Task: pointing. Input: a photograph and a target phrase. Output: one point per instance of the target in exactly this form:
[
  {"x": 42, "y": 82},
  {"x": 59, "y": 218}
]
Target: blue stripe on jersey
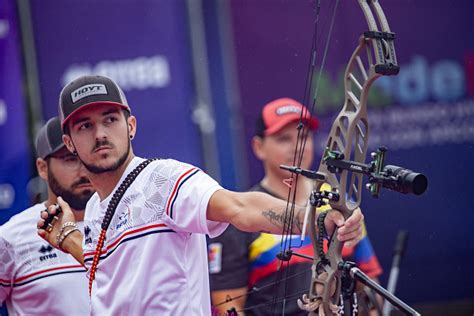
[{"x": 179, "y": 187}]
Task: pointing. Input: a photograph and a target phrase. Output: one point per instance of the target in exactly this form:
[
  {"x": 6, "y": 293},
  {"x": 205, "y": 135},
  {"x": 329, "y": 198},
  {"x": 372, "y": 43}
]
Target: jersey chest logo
[{"x": 46, "y": 252}]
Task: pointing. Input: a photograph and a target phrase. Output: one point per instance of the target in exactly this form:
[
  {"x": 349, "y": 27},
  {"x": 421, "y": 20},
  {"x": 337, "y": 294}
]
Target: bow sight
[{"x": 391, "y": 177}]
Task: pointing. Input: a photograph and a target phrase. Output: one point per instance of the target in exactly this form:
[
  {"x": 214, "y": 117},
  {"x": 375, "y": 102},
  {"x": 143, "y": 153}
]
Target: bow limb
[{"x": 348, "y": 139}]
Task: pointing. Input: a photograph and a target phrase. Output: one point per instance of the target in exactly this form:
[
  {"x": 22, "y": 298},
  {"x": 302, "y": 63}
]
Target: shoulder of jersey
[{"x": 22, "y": 222}]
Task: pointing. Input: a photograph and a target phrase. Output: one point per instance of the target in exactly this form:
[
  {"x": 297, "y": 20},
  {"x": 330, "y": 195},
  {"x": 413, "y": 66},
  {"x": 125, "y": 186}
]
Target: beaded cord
[
  {"x": 95, "y": 261},
  {"x": 114, "y": 201}
]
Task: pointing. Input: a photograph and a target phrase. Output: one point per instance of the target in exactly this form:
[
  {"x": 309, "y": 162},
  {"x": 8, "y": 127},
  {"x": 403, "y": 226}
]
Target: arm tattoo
[
  {"x": 280, "y": 218},
  {"x": 274, "y": 218}
]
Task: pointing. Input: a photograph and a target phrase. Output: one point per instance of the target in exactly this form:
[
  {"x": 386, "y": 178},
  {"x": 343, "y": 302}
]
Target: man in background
[
  {"x": 35, "y": 278},
  {"x": 244, "y": 265}
]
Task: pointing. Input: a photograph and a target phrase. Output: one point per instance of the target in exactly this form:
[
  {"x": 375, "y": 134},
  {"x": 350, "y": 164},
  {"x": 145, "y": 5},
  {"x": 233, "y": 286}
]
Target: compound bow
[
  {"x": 343, "y": 163},
  {"x": 348, "y": 139}
]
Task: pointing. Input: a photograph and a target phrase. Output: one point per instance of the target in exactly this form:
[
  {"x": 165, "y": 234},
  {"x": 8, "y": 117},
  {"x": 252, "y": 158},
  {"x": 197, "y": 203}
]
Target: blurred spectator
[
  {"x": 242, "y": 261},
  {"x": 34, "y": 276}
]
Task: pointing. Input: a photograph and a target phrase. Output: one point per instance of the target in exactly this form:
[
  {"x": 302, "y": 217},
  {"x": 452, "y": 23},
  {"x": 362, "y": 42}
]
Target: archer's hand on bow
[{"x": 350, "y": 229}]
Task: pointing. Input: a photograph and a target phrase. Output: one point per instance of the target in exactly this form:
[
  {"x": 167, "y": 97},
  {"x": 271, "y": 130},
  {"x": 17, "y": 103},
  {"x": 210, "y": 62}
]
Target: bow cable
[{"x": 303, "y": 133}]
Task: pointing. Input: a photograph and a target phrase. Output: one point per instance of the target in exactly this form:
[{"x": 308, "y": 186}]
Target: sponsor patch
[
  {"x": 215, "y": 257},
  {"x": 46, "y": 252},
  {"x": 122, "y": 220},
  {"x": 88, "y": 90},
  {"x": 45, "y": 249},
  {"x": 288, "y": 109}
]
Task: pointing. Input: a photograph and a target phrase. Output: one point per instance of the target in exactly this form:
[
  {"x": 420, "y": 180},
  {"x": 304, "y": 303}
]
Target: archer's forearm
[
  {"x": 270, "y": 215},
  {"x": 255, "y": 212},
  {"x": 278, "y": 219}
]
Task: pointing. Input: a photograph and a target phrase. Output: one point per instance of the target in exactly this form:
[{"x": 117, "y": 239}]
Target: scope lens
[
  {"x": 419, "y": 184},
  {"x": 406, "y": 181}
]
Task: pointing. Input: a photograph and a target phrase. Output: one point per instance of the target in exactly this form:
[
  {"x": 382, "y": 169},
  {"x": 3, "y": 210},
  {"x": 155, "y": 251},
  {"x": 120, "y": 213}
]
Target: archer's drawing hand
[
  {"x": 349, "y": 230},
  {"x": 65, "y": 216}
]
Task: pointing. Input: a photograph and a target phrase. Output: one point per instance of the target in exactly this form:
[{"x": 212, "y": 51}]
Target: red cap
[{"x": 280, "y": 112}]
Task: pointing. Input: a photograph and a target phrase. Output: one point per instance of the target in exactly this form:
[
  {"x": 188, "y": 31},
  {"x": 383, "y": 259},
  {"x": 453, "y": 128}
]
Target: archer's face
[
  {"x": 100, "y": 135},
  {"x": 279, "y": 149}
]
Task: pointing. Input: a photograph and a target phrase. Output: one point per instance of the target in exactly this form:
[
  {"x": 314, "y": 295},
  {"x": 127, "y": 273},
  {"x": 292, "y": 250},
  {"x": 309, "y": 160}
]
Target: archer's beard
[
  {"x": 98, "y": 170},
  {"x": 75, "y": 201}
]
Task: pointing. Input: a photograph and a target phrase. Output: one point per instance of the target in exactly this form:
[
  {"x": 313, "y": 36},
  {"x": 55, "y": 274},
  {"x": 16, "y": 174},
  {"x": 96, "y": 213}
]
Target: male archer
[{"x": 145, "y": 250}]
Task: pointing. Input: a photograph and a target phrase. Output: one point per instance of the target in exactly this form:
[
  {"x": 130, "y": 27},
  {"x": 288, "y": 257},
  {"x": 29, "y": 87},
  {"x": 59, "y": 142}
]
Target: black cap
[
  {"x": 50, "y": 138},
  {"x": 86, "y": 91}
]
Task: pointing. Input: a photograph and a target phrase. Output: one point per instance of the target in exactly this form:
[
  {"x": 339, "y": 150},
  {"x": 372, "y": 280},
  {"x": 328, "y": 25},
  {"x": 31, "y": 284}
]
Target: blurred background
[{"x": 196, "y": 73}]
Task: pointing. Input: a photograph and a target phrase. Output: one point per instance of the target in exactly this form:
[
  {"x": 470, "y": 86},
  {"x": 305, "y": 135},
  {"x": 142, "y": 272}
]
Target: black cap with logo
[{"x": 87, "y": 91}]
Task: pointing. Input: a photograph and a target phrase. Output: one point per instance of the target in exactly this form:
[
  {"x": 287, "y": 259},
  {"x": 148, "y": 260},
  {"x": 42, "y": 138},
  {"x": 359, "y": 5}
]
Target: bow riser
[{"x": 349, "y": 136}]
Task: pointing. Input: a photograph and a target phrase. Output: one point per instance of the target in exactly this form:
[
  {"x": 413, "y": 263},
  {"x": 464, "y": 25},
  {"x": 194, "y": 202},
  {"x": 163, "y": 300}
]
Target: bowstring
[
  {"x": 285, "y": 242},
  {"x": 316, "y": 92},
  {"x": 271, "y": 303},
  {"x": 303, "y": 134},
  {"x": 257, "y": 289}
]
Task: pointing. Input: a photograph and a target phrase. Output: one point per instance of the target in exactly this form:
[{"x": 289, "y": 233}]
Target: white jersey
[
  {"x": 35, "y": 278},
  {"x": 154, "y": 261}
]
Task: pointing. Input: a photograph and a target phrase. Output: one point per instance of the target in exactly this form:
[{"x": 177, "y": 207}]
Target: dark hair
[
  {"x": 126, "y": 113},
  {"x": 260, "y": 127},
  {"x": 47, "y": 159}
]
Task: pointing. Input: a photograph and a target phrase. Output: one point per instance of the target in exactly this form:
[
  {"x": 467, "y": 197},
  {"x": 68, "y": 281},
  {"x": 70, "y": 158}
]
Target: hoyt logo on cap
[{"x": 88, "y": 90}]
